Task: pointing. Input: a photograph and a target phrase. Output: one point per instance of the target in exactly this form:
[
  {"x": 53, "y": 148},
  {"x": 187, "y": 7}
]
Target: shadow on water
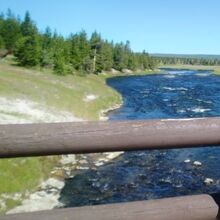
[{"x": 154, "y": 174}]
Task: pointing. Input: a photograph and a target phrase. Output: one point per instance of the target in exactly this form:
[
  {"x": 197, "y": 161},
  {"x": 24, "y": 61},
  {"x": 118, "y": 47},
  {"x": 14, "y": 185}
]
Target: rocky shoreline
[
  {"x": 47, "y": 195},
  {"x": 103, "y": 115}
]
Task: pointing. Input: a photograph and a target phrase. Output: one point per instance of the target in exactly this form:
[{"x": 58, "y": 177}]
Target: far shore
[{"x": 215, "y": 69}]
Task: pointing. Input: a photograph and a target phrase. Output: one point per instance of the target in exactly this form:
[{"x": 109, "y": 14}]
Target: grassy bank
[
  {"x": 28, "y": 95},
  {"x": 215, "y": 69},
  {"x": 67, "y": 93},
  {"x": 37, "y": 92}
]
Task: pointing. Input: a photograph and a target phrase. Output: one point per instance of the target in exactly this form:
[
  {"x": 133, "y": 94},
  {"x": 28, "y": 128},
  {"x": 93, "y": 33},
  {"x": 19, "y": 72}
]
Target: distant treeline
[
  {"x": 76, "y": 53},
  {"x": 186, "y": 60}
]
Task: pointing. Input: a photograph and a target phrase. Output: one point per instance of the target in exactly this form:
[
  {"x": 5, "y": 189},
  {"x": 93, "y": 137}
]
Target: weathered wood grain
[
  {"x": 200, "y": 207},
  {"x": 89, "y": 137}
]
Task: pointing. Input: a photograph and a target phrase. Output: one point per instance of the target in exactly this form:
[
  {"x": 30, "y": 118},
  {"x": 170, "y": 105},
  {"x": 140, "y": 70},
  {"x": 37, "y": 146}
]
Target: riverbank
[
  {"x": 215, "y": 69},
  {"x": 37, "y": 96},
  {"x": 33, "y": 96}
]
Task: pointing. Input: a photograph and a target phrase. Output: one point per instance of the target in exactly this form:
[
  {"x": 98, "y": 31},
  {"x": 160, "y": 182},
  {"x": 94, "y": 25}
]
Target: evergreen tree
[
  {"x": 27, "y": 26},
  {"x": 76, "y": 53},
  {"x": 2, "y": 44},
  {"x": 60, "y": 55},
  {"x": 132, "y": 62},
  {"x": 127, "y": 55},
  {"x": 27, "y": 51},
  {"x": 96, "y": 44},
  {"x": 59, "y": 64},
  {"x": 80, "y": 52},
  {"x": 106, "y": 56},
  {"x": 47, "y": 53},
  {"x": 87, "y": 65},
  {"x": 10, "y": 31},
  {"x": 118, "y": 57}
]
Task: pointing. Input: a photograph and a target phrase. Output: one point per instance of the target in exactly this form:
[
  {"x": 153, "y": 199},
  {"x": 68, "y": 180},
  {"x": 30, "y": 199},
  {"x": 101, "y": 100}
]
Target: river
[{"x": 155, "y": 174}]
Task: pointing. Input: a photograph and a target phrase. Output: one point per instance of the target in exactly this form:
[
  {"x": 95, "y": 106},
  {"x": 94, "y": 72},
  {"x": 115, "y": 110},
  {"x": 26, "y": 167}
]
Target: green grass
[
  {"x": 59, "y": 92},
  {"x": 21, "y": 175},
  {"x": 18, "y": 175},
  {"x": 217, "y": 71},
  {"x": 9, "y": 204},
  {"x": 62, "y": 93}
]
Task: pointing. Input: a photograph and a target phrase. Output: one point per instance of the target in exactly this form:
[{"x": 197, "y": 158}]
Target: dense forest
[
  {"x": 190, "y": 60},
  {"x": 76, "y": 53}
]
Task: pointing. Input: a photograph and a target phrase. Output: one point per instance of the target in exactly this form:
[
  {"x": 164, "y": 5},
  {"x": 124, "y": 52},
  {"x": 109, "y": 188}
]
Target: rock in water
[
  {"x": 197, "y": 163},
  {"x": 208, "y": 181}
]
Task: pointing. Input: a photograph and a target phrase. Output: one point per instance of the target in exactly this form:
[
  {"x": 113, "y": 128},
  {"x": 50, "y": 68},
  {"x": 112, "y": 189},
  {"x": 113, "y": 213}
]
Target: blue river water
[{"x": 155, "y": 174}]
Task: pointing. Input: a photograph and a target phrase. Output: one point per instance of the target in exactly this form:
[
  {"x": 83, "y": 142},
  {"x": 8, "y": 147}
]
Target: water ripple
[{"x": 155, "y": 174}]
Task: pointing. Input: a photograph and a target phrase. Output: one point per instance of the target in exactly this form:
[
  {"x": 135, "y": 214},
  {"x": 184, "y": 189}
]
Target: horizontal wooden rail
[
  {"x": 90, "y": 137},
  {"x": 201, "y": 207}
]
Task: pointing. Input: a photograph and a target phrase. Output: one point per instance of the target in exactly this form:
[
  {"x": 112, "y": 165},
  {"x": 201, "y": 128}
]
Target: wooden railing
[{"x": 97, "y": 137}]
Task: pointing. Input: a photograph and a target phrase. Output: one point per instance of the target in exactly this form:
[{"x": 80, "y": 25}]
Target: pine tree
[
  {"x": 59, "y": 64},
  {"x": 60, "y": 55},
  {"x": 47, "y": 53},
  {"x": 76, "y": 53},
  {"x": 132, "y": 62},
  {"x": 127, "y": 55},
  {"x": 27, "y": 26},
  {"x": 118, "y": 57},
  {"x": 10, "y": 31},
  {"x": 2, "y": 44},
  {"x": 95, "y": 43},
  {"x": 87, "y": 65},
  {"x": 104, "y": 60},
  {"x": 80, "y": 52},
  {"x": 27, "y": 51}
]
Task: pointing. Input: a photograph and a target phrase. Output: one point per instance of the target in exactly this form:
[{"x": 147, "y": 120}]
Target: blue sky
[{"x": 158, "y": 26}]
